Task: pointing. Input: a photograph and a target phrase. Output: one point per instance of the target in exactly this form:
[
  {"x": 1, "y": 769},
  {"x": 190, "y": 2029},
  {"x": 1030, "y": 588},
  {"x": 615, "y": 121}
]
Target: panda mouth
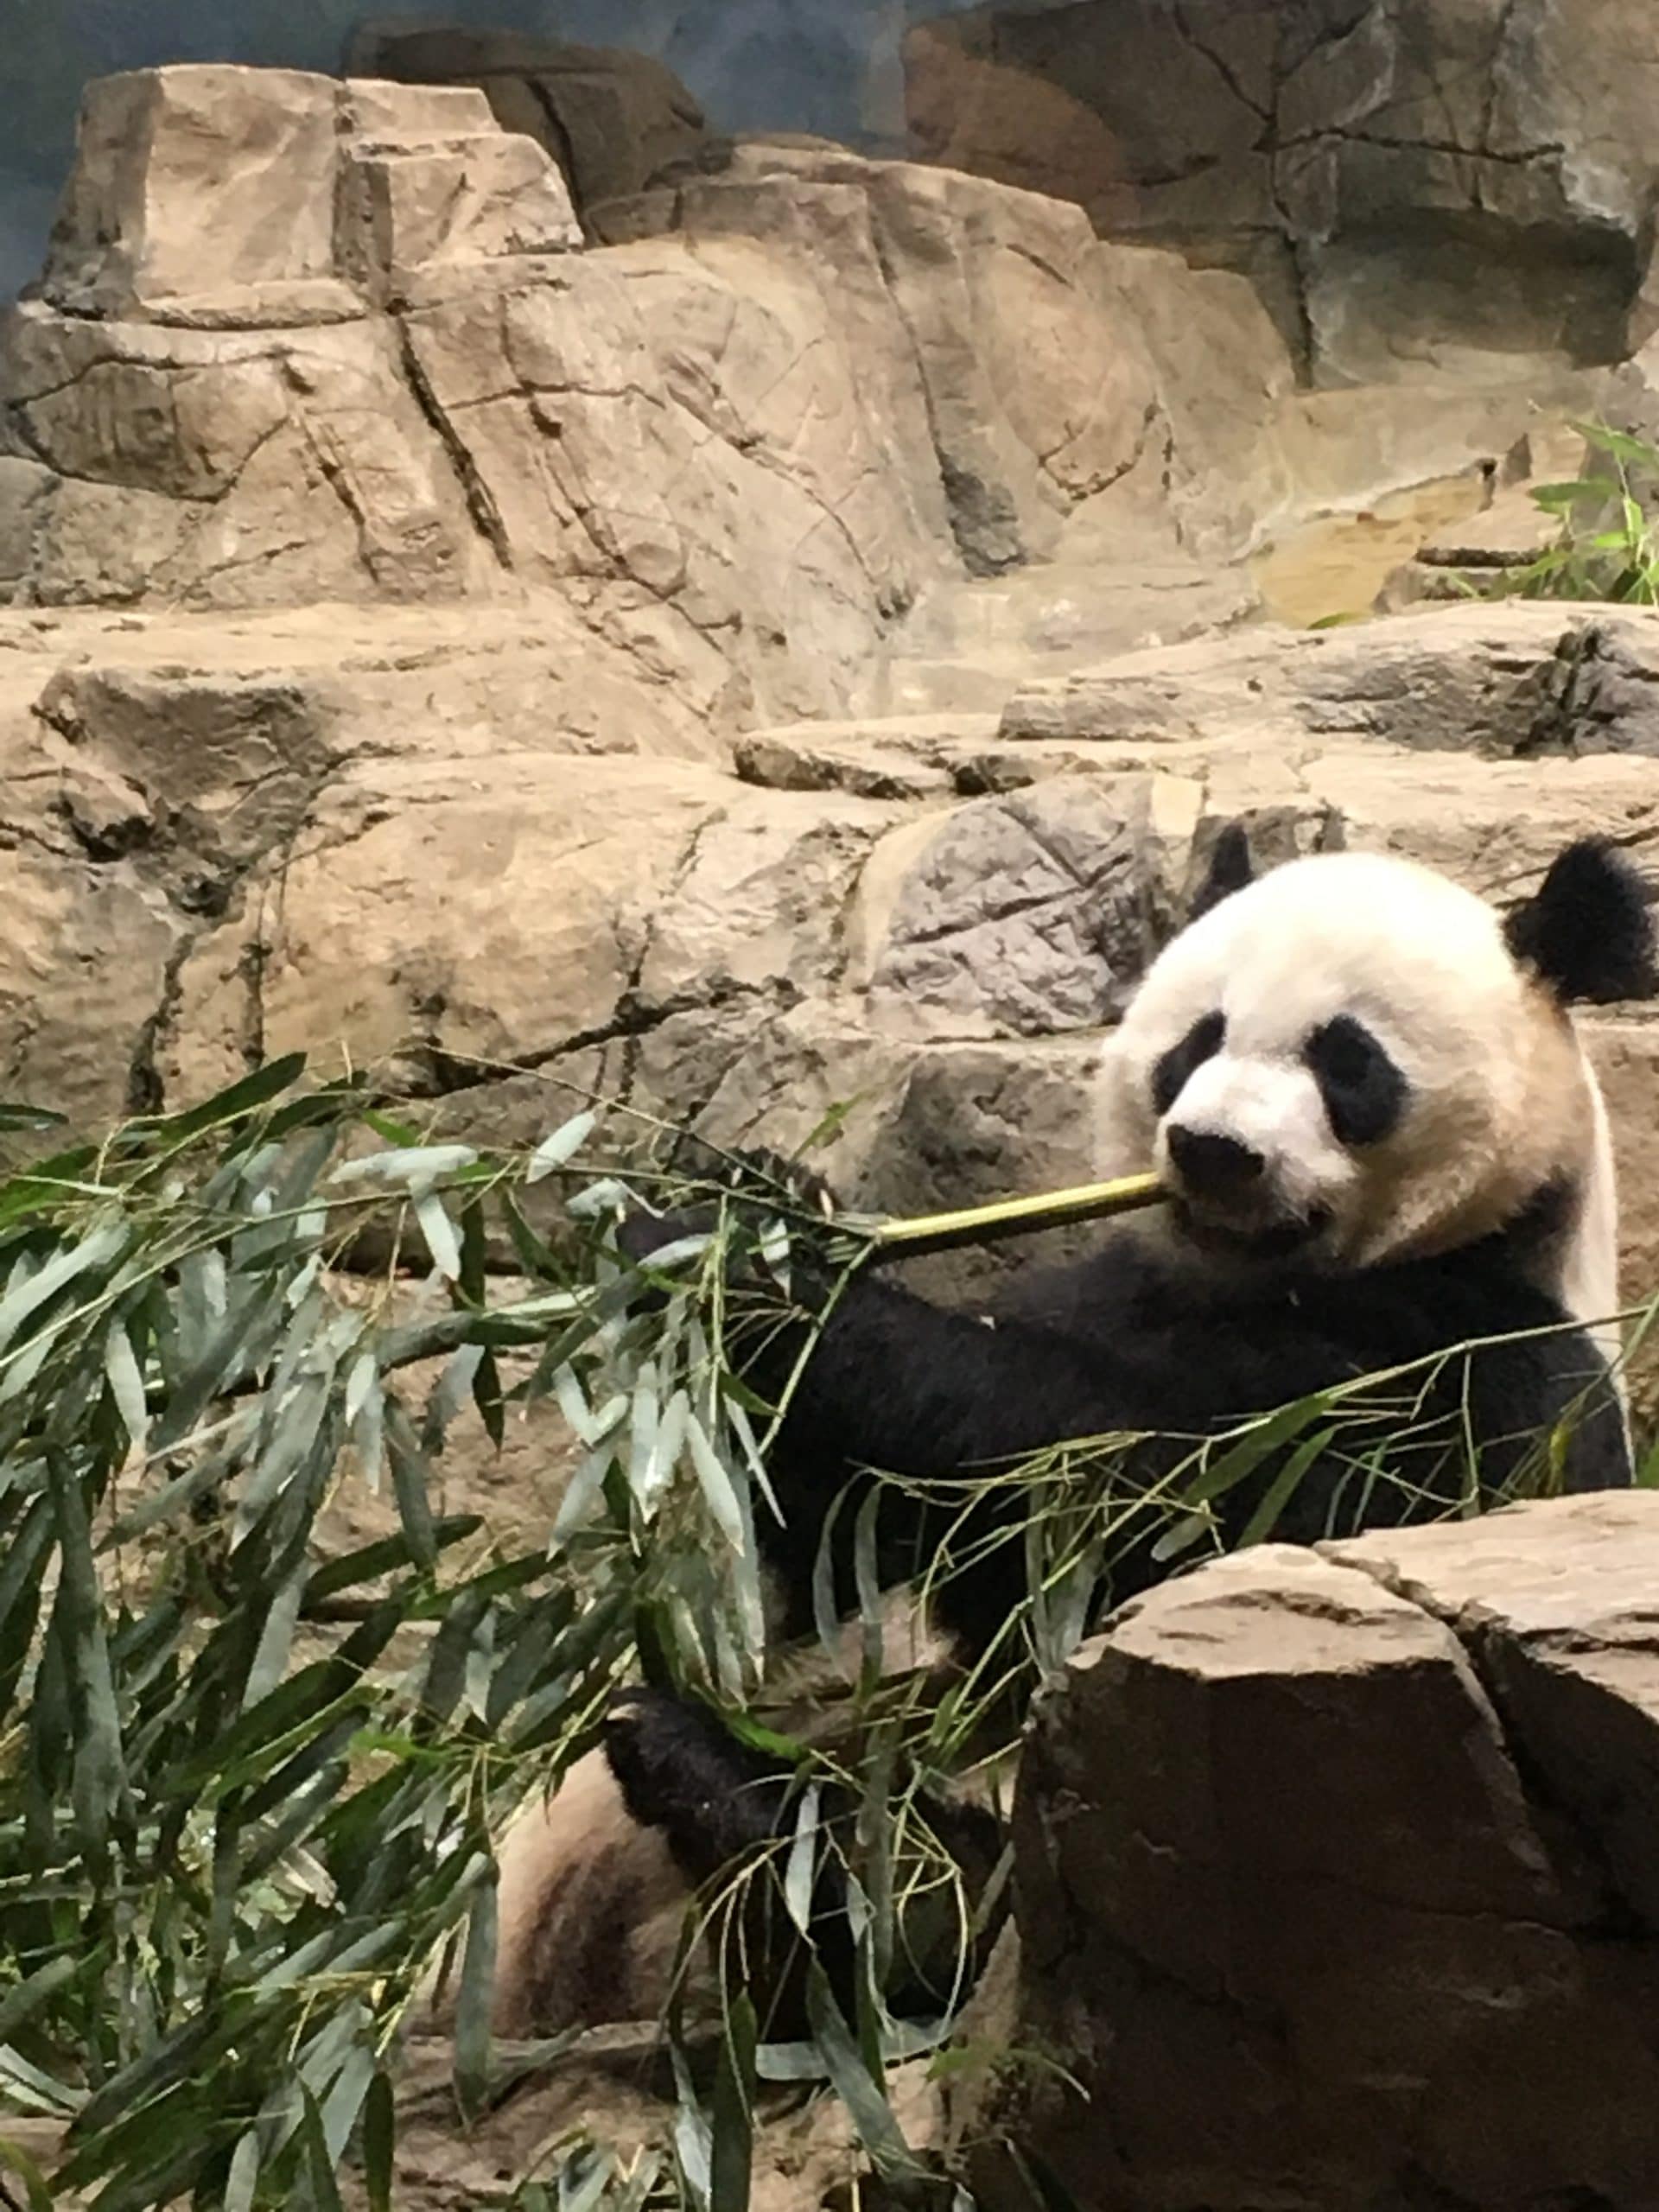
[{"x": 1279, "y": 1239}]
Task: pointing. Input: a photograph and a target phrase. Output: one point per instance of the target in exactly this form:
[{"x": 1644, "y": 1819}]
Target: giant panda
[{"x": 1385, "y": 1151}]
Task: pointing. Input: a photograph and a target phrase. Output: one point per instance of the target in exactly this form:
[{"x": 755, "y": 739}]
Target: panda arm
[
  {"x": 896, "y": 1384},
  {"x": 718, "y": 1802},
  {"x": 909, "y": 1389}
]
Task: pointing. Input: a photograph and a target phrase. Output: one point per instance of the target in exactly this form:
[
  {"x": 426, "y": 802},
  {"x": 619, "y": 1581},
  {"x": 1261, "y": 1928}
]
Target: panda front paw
[
  {"x": 642, "y": 1233},
  {"x": 639, "y": 1233},
  {"x": 682, "y": 1773}
]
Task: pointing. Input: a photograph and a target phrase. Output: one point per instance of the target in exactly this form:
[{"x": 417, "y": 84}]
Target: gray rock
[
  {"x": 1412, "y": 187},
  {"x": 1025, "y": 916},
  {"x": 613, "y": 118},
  {"x": 1334, "y": 1881}
]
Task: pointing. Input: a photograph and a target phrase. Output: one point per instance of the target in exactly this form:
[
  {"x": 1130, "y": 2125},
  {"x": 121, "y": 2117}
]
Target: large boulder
[
  {"x": 782, "y": 404},
  {"x": 613, "y": 118},
  {"x": 1036, "y": 390},
  {"x": 214, "y": 195},
  {"x": 1413, "y": 184},
  {"x": 1335, "y": 1881}
]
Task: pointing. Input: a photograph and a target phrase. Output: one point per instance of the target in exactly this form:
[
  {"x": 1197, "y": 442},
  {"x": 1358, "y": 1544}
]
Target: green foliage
[
  {"x": 251, "y": 1787},
  {"x": 1607, "y": 546},
  {"x": 248, "y": 1790}
]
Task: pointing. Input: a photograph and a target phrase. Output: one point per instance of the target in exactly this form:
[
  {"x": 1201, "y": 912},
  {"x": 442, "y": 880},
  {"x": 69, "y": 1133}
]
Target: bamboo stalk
[{"x": 944, "y": 1233}]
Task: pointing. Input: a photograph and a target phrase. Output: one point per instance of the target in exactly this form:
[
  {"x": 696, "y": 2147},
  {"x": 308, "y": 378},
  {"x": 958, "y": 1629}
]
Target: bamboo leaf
[
  {"x": 1620, "y": 443},
  {"x": 33, "y": 1990},
  {"x": 802, "y": 1868},
  {"x": 440, "y": 1234},
  {"x": 410, "y": 1480},
  {"x": 732, "y": 2133},
  {"x": 642, "y": 1435},
  {"x": 100, "y": 1773},
  {"x": 244, "y": 2176},
  {"x": 126, "y": 1385},
  {"x": 239, "y": 1099},
  {"x": 1283, "y": 1487},
  {"x": 15, "y": 1115},
  {"x": 103, "y": 1244},
  {"x": 1235, "y": 1464},
  {"x": 487, "y": 1397},
  {"x": 379, "y": 2141},
  {"x": 474, "y": 2002},
  {"x": 716, "y": 1483},
  {"x": 415, "y": 1168},
  {"x": 866, "y": 2101},
  {"x": 277, "y": 1637},
  {"x": 563, "y": 1144},
  {"x": 321, "y": 2189},
  {"x": 15, "y": 2160}
]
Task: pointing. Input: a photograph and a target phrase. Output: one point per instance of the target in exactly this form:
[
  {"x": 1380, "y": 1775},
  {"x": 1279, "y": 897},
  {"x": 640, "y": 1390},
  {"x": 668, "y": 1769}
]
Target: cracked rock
[
  {"x": 614, "y": 119},
  {"x": 1511, "y": 681},
  {"x": 1021, "y": 915},
  {"x": 1334, "y": 1881},
  {"x": 1412, "y": 185}
]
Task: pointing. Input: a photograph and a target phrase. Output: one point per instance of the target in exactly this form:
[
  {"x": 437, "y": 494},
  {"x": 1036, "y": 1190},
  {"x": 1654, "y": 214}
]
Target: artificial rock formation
[
  {"x": 751, "y": 433},
  {"x": 1361, "y": 158},
  {"x": 729, "y": 662},
  {"x": 1336, "y": 1881},
  {"x": 613, "y": 120}
]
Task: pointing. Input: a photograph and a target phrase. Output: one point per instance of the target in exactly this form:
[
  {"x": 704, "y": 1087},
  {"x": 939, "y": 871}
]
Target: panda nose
[{"x": 1212, "y": 1166}]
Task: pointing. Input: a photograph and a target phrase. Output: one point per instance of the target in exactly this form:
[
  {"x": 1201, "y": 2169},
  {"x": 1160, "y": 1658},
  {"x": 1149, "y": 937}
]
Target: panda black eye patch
[
  {"x": 1202, "y": 1042},
  {"x": 1363, "y": 1091}
]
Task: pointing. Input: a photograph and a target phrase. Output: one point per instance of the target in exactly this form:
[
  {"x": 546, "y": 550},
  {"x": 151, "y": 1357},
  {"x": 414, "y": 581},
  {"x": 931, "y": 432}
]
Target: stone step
[{"x": 969, "y": 646}]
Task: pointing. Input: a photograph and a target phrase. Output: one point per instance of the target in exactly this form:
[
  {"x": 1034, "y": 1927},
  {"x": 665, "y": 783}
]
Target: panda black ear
[
  {"x": 1230, "y": 868},
  {"x": 1587, "y": 931}
]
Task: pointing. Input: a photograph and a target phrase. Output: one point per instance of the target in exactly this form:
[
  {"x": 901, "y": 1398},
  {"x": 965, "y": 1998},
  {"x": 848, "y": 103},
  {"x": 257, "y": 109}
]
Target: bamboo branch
[{"x": 944, "y": 1233}]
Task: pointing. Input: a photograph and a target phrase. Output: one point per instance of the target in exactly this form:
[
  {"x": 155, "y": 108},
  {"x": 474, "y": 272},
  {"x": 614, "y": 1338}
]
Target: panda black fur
[{"x": 1383, "y": 1141}]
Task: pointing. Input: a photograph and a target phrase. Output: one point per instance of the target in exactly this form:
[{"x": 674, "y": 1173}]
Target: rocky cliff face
[
  {"x": 1407, "y": 181},
  {"x": 684, "y": 657}
]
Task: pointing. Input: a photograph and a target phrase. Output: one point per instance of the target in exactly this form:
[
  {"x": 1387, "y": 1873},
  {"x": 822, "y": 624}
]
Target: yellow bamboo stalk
[{"x": 943, "y": 1232}]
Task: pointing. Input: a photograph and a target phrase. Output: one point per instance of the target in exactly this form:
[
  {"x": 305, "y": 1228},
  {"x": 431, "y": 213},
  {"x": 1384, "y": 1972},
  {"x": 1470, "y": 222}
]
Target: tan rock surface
[
  {"x": 809, "y": 415},
  {"x": 1416, "y": 188},
  {"x": 1334, "y": 1881},
  {"x": 789, "y": 400},
  {"x": 201, "y": 180},
  {"x": 613, "y": 118}
]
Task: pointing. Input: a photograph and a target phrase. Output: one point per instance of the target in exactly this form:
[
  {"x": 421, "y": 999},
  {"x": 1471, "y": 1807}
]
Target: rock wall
[
  {"x": 722, "y": 658},
  {"x": 1335, "y": 1881},
  {"x": 1410, "y": 183},
  {"x": 301, "y": 341}
]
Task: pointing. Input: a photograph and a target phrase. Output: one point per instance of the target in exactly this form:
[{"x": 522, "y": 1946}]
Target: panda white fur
[
  {"x": 1382, "y": 1140},
  {"x": 1496, "y": 1100}
]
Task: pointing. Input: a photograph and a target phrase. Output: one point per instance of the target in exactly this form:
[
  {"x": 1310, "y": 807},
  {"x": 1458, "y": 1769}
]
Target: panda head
[{"x": 1351, "y": 1059}]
